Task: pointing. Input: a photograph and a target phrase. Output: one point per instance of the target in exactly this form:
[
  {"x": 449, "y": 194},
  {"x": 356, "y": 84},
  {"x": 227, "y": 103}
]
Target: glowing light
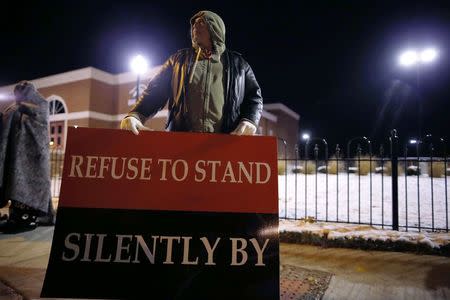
[
  {"x": 413, "y": 57},
  {"x": 409, "y": 58},
  {"x": 305, "y": 136},
  {"x": 139, "y": 65},
  {"x": 4, "y": 96},
  {"x": 76, "y": 126},
  {"x": 428, "y": 55},
  {"x": 413, "y": 141},
  {"x": 51, "y": 143}
]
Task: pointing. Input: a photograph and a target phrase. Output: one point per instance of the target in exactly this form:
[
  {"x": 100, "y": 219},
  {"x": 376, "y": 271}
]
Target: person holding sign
[{"x": 208, "y": 87}]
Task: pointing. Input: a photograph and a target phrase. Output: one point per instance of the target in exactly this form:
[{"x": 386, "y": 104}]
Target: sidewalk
[
  {"x": 361, "y": 274},
  {"x": 356, "y": 274},
  {"x": 23, "y": 260}
]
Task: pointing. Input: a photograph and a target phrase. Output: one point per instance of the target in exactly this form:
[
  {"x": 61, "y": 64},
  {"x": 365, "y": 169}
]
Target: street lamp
[
  {"x": 305, "y": 136},
  {"x": 412, "y": 57},
  {"x": 416, "y": 58},
  {"x": 428, "y": 55},
  {"x": 139, "y": 66}
]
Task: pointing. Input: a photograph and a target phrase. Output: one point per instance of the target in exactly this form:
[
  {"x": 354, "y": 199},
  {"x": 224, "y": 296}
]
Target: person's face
[{"x": 200, "y": 32}]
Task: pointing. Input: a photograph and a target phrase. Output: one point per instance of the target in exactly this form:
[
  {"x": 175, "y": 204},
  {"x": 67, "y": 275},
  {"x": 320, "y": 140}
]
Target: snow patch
[{"x": 334, "y": 231}]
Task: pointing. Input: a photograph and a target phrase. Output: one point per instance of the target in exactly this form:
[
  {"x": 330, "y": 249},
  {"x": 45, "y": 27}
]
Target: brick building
[{"x": 93, "y": 98}]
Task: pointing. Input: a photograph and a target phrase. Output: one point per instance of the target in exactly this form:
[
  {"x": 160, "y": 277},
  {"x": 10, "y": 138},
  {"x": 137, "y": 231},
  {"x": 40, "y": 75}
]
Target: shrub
[
  {"x": 334, "y": 167},
  {"x": 438, "y": 169},
  {"x": 281, "y": 167},
  {"x": 388, "y": 168},
  {"x": 365, "y": 166},
  {"x": 310, "y": 167}
]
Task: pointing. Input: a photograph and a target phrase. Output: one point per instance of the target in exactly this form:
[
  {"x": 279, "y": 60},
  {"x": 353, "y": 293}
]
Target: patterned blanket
[{"x": 24, "y": 150}]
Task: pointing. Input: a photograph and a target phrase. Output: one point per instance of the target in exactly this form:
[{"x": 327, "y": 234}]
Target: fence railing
[
  {"x": 399, "y": 187},
  {"x": 56, "y": 168},
  {"x": 405, "y": 187}
]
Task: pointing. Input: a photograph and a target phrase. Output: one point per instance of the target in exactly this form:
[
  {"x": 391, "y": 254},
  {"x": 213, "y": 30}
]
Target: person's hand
[
  {"x": 133, "y": 124},
  {"x": 244, "y": 128}
]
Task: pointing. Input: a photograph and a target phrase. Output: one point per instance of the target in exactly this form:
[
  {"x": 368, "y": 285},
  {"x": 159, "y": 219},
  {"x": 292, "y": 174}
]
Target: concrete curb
[{"x": 310, "y": 238}]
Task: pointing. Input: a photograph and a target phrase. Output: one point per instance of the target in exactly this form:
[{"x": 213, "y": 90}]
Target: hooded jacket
[
  {"x": 242, "y": 94},
  {"x": 24, "y": 151}
]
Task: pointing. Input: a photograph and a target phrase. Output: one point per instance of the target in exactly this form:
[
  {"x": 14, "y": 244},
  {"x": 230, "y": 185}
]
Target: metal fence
[
  {"x": 56, "y": 168},
  {"x": 399, "y": 187}
]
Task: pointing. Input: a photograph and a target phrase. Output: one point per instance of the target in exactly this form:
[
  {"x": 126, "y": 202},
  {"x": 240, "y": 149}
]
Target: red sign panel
[{"x": 180, "y": 214}]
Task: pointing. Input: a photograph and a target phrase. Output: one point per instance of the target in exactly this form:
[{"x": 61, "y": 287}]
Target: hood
[
  {"x": 25, "y": 91},
  {"x": 216, "y": 30}
]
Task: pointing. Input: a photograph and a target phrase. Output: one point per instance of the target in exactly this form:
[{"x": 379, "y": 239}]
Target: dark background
[{"x": 333, "y": 62}]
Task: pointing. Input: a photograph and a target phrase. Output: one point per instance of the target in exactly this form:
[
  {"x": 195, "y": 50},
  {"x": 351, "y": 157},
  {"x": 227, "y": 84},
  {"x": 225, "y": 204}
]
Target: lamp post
[
  {"x": 306, "y": 137},
  {"x": 139, "y": 66},
  {"x": 415, "y": 58}
]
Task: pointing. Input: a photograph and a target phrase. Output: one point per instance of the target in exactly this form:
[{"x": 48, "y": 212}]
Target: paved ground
[
  {"x": 362, "y": 274},
  {"x": 357, "y": 274}
]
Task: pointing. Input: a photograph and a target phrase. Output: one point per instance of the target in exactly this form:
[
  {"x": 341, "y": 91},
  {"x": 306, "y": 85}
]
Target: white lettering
[
  {"x": 113, "y": 171},
  {"x": 258, "y": 172},
  {"x": 145, "y": 168},
  {"x": 248, "y": 174},
  {"x": 150, "y": 255},
  {"x": 133, "y": 168},
  {"x": 210, "y": 250},
  {"x": 164, "y": 168},
  {"x": 77, "y": 161},
  {"x": 87, "y": 246},
  {"x": 214, "y": 164},
  {"x": 186, "y": 252},
  {"x": 170, "y": 240},
  {"x": 103, "y": 165},
  {"x": 185, "y": 170},
  {"x": 120, "y": 247},
  {"x": 229, "y": 173},
  {"x": 235, "y": 250},
  {"x": 259, "y": 251},
  {"x": 91, "y": 160},
  {"x": 71, "y": 246},
  {"x": 198, "y": 170},
  {"x": 99, "y": 258}
]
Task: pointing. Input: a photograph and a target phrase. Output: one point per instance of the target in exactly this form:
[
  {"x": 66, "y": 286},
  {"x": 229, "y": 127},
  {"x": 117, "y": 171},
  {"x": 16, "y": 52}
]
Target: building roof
[
  {"x": 82, "y": 74},
  {"x": 283, "y": 108},
  {"x": 6, "y": 92}
]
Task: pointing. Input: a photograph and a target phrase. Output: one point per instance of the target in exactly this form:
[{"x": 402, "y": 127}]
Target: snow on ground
[
  {"x": 355, "y": 203},
  {"x": 339, "y": 196},
  {"x": 353, "y": 198},
  {"x": 348, "y": 231}
]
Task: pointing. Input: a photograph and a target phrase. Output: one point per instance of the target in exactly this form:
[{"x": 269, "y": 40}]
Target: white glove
[
  {"x": 244, "y": 128},
  {"x": 133, "y": 124}
]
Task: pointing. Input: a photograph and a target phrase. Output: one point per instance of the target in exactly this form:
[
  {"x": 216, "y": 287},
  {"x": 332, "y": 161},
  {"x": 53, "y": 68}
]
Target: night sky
[{"x": 333, "y": 62}]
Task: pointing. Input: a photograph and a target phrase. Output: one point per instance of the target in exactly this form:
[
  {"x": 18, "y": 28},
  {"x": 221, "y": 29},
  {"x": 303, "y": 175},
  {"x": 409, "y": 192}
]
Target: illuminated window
[
  {"x": 57, "y": 111},
  {"x": 56, "y": 107}
]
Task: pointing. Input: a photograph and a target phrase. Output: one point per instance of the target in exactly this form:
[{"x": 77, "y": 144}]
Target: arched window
[{"x": 56, "y": 107}]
